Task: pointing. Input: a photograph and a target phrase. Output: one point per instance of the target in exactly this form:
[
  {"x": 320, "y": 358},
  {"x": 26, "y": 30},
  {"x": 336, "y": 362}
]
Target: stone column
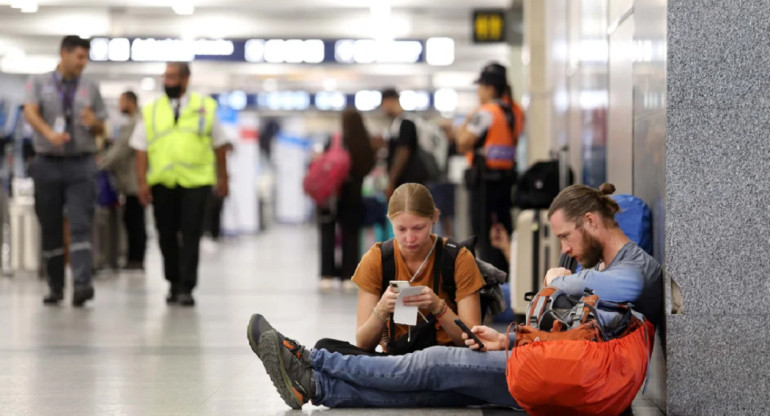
[{"x": 718, "y": 206}]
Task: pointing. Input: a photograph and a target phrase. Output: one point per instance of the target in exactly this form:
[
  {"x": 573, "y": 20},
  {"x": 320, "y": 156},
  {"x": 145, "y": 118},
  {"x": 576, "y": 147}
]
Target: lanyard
[
  {"x": 419, "y": 269},
  {"x": 67, "y": 97}
]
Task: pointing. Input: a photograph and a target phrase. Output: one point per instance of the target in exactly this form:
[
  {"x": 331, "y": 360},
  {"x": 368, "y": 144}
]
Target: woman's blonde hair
[{"x": 413, "y": 198}]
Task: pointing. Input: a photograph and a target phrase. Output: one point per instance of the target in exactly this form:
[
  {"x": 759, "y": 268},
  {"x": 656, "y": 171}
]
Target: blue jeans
[{"x": 435, "y": 377}]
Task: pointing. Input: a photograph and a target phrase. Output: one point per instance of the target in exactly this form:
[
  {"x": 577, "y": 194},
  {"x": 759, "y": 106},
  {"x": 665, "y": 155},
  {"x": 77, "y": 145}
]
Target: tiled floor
[{"x": 128, "y": 353}]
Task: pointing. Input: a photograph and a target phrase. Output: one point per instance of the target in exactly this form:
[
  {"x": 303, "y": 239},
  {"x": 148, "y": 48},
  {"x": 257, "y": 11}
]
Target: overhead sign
[
  {"x": 434, "y": 51},
  {"x": 488, "y": 26}
]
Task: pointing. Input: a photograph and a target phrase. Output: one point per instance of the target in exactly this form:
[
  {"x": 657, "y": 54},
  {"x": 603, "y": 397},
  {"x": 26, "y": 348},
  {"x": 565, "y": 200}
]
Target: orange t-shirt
[{"x": 468, "y": 279}]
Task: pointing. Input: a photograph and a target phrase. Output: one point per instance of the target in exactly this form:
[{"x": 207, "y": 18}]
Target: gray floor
[{"x": 128, "y": 353}]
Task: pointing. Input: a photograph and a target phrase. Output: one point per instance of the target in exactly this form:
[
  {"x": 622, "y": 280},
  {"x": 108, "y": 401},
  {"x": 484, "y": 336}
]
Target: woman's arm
[{"x": 371, "y": 316}]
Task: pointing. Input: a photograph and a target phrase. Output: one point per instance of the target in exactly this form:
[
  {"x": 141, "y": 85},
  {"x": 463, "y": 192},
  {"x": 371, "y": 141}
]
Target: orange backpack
[{"x": 566, "y": 361}]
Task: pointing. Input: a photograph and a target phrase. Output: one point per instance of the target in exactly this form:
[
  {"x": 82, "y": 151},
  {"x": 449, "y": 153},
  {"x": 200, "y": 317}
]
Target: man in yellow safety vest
[{"x": 180, "y": 154}]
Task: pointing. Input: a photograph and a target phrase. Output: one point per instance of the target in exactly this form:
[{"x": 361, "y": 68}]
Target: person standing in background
[
  {"x": 488, "y": 139},
  {"x": 181, "y": 152},
  {"x": 67, "y": 113},
  {"x": 349, "y": 206},
  {"x": 121, "y": 162},
  {"x": 403, "y": 163}
]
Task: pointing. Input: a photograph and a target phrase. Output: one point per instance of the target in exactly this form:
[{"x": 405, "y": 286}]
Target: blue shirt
[{"x": 633, "y": 276}]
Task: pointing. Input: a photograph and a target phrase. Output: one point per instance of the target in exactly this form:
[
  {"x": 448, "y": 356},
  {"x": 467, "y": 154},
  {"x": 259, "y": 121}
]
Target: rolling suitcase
[{"x": 536, "y": 251}]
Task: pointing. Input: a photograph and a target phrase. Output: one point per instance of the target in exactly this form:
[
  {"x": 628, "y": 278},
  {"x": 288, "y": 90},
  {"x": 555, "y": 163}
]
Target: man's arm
[
  {"x": 32, "y": 114},
  {"x": 145, "y": 194},
  {"x": 407, "y": 141},
  {"x": 222, "y": 186},
  {"x": 621, "y": 284}
]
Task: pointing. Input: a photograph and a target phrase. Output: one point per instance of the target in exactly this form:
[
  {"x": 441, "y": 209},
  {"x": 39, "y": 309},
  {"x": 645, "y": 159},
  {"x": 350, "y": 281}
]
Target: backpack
[
  {"x": 327, "y": 173},
  {"x": 578, "y": 356},
  {"x": 492, "y": 298},
  {"x": 539, "y": 185},
  {"x": 432, "y": 148}
]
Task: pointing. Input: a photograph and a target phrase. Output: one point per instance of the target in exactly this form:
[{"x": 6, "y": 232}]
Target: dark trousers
[
  {"x": 133, "y": 219},
  {"x": 489, "y": 203},
  {"x": 65, "y": 183},
  {"x": 349, "y": 214},
  {"x": 179, "y": 219}
]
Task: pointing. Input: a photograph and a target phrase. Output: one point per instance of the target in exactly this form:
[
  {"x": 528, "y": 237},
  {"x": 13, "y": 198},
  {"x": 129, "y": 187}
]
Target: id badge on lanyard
[{"x": 67, "y": 99}]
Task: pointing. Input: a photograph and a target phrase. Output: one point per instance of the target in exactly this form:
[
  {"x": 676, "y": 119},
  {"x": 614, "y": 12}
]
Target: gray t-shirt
[
  {"x": 48, "y": 92},
  {"x": 633, "y": 276}
]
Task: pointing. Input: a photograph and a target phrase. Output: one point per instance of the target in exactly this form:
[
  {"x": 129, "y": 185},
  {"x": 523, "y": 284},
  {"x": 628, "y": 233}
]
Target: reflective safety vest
[
  {"x": 499, "y": 143},
  {"x": 180, "y": 153}
]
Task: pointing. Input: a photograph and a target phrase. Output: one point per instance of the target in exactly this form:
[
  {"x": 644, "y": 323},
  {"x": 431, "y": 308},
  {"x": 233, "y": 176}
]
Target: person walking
[
  {"x": 67, "y": 112},
  {"x": 120, "y": 161},
  {"x": 181, "y": 152}
]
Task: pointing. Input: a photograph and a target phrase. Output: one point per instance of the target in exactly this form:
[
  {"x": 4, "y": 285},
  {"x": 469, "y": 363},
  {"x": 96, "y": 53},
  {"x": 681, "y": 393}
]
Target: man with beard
[
  {"x": 584, "y": 220},
  {"x": 119, "y": 160},
  {"x": 180, "y": 154}
]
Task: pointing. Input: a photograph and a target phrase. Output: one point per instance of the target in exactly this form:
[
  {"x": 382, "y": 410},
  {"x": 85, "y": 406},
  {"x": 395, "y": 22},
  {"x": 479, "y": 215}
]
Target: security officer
[
  {"x": 180, "y": 154},
  {"x": 487, "y": 137},
  {"x": 66, "y": 111}
]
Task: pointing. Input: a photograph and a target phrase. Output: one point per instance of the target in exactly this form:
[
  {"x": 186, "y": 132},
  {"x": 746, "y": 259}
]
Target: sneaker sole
[
  {"x": 253, "y": 343},
  {"x": 268, "y": 351}
]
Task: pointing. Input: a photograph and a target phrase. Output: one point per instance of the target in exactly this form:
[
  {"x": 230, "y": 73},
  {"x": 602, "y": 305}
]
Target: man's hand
[
  {"x": 222, "y": 189},
  {"x": 145, "y": 194},
  {"x": 554, "y": 273},
  {"x": 88, "y": 118},
  {"x": 493, "y": 340},
  {"x": 58, "y": 139}
]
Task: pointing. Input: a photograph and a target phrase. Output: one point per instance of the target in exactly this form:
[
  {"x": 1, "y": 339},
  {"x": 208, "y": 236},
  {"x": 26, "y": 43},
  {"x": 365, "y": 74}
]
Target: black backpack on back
[{"x": 491, "y": 294}]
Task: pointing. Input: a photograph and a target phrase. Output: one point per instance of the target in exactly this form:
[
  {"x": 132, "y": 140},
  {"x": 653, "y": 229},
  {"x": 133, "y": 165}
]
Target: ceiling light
[
  {"x": 29, "y": 7},
  {"x": 440, "y": 51},
  {"x": 147, "y": 84},
  {"x": 183, "y": 7}
]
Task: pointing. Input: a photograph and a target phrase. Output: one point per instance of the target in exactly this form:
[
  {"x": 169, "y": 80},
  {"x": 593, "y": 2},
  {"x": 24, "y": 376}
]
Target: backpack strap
[
  {"x": 388, "y": 264},
  {"x": 448, "y": 259}
]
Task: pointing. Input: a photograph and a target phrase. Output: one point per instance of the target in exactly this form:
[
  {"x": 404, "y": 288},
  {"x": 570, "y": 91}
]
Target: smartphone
[
  {"x": 396, "y": 284},
  {"x": 467, "y": 330}
]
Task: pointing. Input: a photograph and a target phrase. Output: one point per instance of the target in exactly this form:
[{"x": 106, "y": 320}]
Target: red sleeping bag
[{"x": 581, "y": 377}]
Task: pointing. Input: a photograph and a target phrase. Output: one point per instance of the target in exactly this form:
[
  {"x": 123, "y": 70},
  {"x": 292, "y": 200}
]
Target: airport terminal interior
[{"x": 651, "y": 96}]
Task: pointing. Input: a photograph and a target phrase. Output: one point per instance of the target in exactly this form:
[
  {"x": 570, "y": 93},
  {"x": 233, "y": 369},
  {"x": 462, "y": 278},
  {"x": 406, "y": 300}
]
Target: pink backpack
[{"x": 328, "y": 172}]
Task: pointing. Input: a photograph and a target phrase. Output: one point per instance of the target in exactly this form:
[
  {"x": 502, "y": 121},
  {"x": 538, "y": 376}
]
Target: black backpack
[
  {"x": 492, "y": 299},
  {"x": 539, "y": 185}
]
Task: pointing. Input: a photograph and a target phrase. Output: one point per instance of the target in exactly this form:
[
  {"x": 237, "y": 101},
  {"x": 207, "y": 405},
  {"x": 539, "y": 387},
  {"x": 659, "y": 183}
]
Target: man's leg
[
  {"x": 350, "y": 395},
  {"x": 459, "y": 371},
  {"x": 80, "y": 179},
  {"x": 49, "y": 207},
  {"x": 133, "y": 219},
  {"x": 191, "y": 214},
  {"x": 498, "y": 205},
  {"x": 165, "y": 203}
]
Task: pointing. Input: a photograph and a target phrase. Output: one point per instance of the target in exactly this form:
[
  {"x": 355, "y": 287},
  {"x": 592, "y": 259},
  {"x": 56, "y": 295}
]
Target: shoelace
[{"x": 296, "y": 349}]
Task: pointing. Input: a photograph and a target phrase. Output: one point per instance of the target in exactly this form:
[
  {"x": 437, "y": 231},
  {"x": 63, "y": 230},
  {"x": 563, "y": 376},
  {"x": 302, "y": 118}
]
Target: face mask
[{"x": 173, "y": 91}]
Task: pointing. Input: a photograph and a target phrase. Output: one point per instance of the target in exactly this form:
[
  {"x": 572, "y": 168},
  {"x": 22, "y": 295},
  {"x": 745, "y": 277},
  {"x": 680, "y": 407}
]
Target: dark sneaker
[
  {"x": 172, "y": 297},
  {"x": 288, "y": 365},
  {"x": 186, "y": 299},
  {"x": 258, "y": 325},
  {"x": 53, "y": 298},
  {"x": 81, "y": 294}
]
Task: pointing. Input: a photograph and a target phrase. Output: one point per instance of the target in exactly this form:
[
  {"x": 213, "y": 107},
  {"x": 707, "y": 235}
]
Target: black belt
[{"x": 58, "y": 158}]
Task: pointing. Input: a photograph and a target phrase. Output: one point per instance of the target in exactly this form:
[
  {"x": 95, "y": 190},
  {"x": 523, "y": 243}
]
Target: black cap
[{"x": 493, "y": 74}]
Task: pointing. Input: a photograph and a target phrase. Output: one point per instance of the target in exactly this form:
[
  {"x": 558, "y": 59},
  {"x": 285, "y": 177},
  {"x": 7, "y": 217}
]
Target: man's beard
[{"x": 592, "y": 251}]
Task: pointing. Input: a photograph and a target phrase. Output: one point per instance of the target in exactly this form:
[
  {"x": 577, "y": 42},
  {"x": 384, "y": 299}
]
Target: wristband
[
  {"x": 374, "y": 311},
  {"x": 443, "y": 311}
]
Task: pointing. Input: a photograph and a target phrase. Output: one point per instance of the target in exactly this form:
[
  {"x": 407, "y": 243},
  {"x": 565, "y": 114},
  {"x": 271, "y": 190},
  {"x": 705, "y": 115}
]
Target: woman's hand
[
  {"x": 493, "y": 340},
  {"x": 427, "y": 301},
  {"x": 387, "y": 303}
]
